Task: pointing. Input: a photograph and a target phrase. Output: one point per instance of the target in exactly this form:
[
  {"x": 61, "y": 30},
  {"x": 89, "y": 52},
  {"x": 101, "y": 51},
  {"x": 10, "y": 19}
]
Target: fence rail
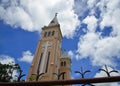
[{"x": 64, "y": 82}]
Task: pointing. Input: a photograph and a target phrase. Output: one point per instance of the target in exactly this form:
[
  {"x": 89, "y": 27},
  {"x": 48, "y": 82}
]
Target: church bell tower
[{"x": 46, "y": 60}]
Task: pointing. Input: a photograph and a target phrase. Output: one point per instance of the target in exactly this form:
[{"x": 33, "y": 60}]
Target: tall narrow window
[
  {"x": 53, "y": 33},
  {"x": 64, "y": 63},
  {"x": 61, "y": 63},
  {"x": 45, "y": 34},
  {"x": 49, "y": 33},
  {"x": 39, "y": 63},
  {"x": 47, "y": 62}
]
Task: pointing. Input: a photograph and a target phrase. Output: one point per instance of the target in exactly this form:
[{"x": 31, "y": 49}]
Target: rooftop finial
[{"x": 56, "y": 14}]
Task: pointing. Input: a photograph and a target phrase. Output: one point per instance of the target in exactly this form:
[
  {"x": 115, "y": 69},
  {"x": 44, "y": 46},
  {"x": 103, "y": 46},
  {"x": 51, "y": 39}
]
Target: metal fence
[{"x": 65, "y": 82}]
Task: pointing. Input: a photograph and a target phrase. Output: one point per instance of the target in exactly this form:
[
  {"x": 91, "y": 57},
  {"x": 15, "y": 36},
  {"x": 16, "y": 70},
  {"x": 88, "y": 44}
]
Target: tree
[{"x": 6, "y": 71}]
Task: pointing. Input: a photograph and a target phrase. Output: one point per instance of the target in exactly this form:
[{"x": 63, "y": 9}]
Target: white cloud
[
  {"x": 91, "y": 3},
  {"x": 108, "y": 84},
  {"x": 26, "y": 57},
  {"x": 91, "y": 22},
  {"x": 78, "y": 7},
  {"x": 110, "y": 16},
  {"x": 103, "y": 74},
  {"x": 86, "y": 45},
  {"x": 31, "y": 15},
  {"x": 5, "y": 59},
  {"x": 99, "y": 48},
  {"x": 71, "y": 54}
]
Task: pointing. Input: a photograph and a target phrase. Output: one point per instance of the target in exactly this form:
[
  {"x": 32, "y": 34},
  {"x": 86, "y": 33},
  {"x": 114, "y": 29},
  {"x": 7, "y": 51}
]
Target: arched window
[
  {"x": 49, "y": 33},
  {"x": 40, "y": 59},
  {"x": 45, "y": 34},
  {"x": 47, "y": 62},
  {"x": 61, "y": 63},
  {"x": 53, "y": 32},
  {"x": 64, "y": 63}
]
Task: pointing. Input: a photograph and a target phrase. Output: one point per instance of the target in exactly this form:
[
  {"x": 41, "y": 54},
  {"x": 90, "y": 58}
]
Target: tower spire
[{"x": 54, "y": 21}]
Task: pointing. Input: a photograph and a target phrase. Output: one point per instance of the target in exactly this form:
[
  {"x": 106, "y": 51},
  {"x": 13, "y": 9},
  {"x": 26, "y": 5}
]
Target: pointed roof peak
[
  {"x": 65, "y": 54},
  {"x": 54, "y": 21}
]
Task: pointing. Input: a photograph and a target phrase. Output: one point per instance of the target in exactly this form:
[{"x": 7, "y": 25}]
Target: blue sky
[{"x": 90, "y": 28}]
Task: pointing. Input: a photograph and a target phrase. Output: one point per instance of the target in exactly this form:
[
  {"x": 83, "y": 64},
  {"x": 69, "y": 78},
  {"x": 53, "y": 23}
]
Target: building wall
[
  {"x": 49, "y": 55},
  {"x": 65, "y": 66},
  {"x": 53, "y": 43}
]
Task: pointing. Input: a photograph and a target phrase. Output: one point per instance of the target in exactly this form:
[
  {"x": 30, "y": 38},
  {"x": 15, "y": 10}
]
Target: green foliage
[
  {"x": 32, "y": 78},
  {"x": 6, "y": 71}
]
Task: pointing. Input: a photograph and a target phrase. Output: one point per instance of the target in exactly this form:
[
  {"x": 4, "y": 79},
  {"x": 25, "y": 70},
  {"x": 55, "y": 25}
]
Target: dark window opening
[
  {"x": 47, "y": 62},
  {"x": 61, "y": 63},
  {"x": 49, "y": 33},
  {"x": 45, "y": 34},
  {"x": 64, "y": 63},
  {"x": 53, "y": 32},
  {"x": 39, "y": 62}
]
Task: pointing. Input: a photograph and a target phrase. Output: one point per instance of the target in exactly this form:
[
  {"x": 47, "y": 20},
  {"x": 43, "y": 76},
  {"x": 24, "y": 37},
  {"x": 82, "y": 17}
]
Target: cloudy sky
[{"x": 90, "y": 28}]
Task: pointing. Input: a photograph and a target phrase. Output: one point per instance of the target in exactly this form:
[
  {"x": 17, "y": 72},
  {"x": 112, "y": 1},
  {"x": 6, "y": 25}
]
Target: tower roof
[
  {"x": 65, "y": 55},
  {"x": 54, "y": 21}
]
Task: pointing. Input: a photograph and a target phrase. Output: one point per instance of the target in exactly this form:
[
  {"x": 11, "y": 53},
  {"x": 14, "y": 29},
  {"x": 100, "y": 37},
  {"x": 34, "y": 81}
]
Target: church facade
[{"x": 49, "y": 63}]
